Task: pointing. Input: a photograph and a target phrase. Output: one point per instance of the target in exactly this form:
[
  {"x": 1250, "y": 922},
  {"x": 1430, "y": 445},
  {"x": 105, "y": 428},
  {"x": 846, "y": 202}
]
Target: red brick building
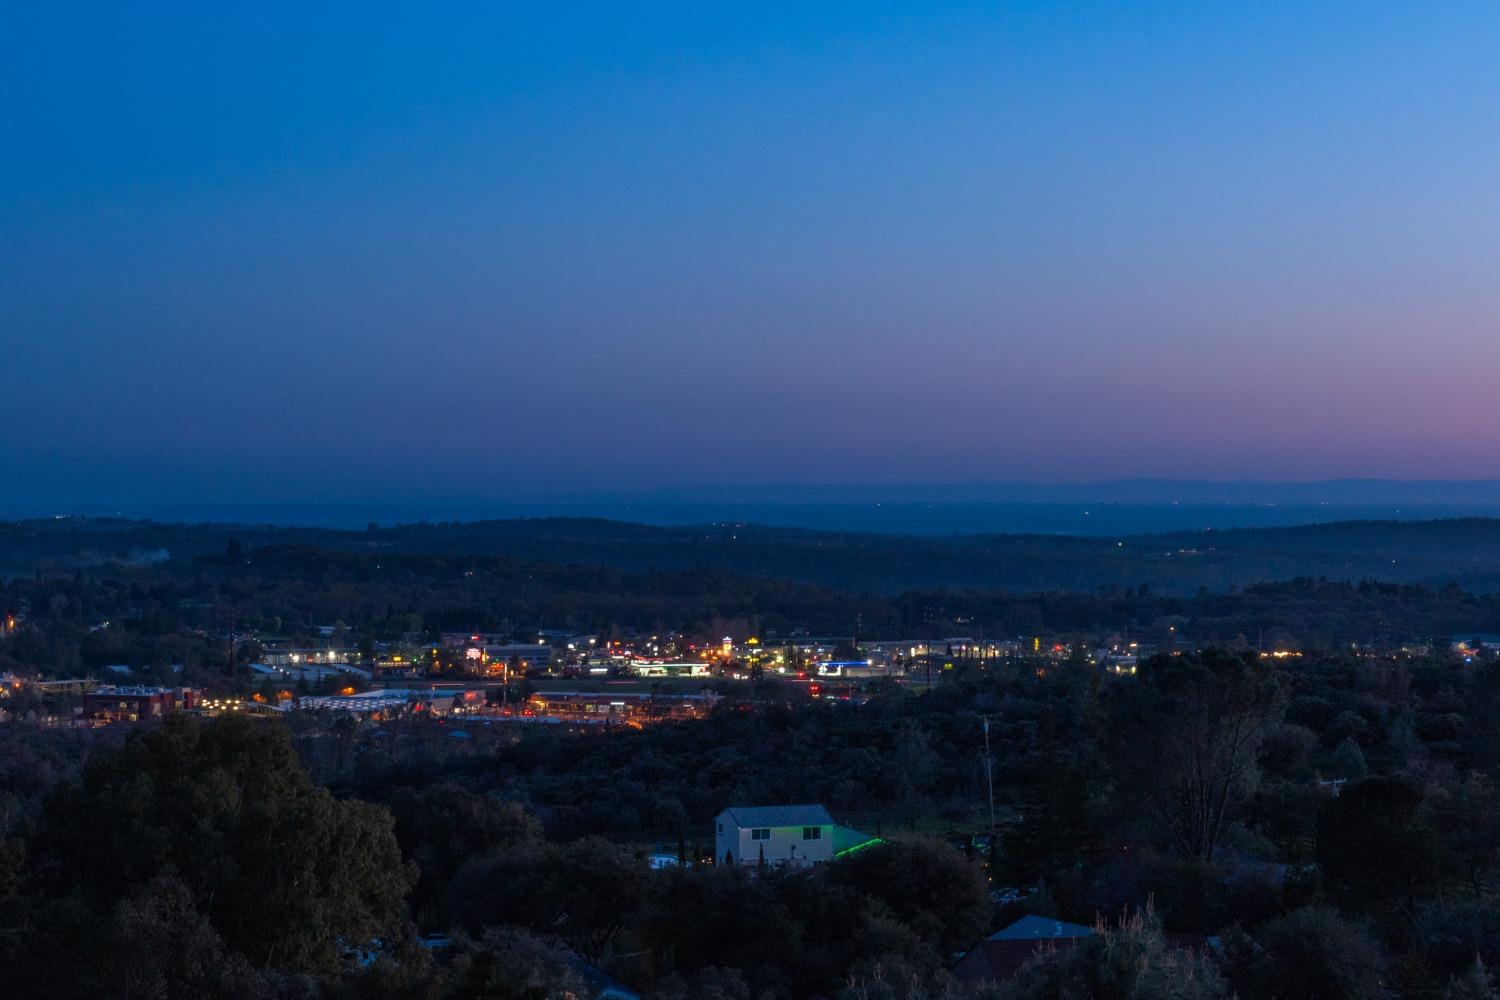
[{"x": 136, "y": 703}]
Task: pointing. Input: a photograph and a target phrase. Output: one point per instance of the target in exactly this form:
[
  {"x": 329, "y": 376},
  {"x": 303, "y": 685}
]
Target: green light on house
[{"x": 857, "y": 847}]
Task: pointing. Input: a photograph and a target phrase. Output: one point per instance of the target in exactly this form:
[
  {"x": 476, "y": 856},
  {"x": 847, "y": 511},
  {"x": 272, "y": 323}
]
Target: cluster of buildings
[
  {"x": 561, "y": 652},
  {"x": 329, "y": 669},
  {"x": 136, "y": 702},
  {"x": 390, "y": 703},
  {"x": 303, "y": 672},
  {"x": 330, "y": 651},
  {"x": 623, "y": 708},
  {"x": 645, "y": 678},
  {"x": 87, "y": 702},
  {"x": 1481, "y": 648}
]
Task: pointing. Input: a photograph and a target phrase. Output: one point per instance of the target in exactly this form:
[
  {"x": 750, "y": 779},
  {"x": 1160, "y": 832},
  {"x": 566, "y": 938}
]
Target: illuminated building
[
  {"x": 793, "y": 836},
  {"x": 619, "y": 708},
  {"x": 134, "y": 703}
]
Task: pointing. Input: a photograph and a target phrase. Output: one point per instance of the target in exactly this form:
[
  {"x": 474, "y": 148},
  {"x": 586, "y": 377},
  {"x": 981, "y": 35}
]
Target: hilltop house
[{"x": 782, "y": 835}]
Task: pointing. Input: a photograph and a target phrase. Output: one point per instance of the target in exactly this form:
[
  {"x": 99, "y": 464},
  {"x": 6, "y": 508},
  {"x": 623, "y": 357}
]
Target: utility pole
[
  {"x": 234, "y": 667},
  {"x": 989, "y": 776}
]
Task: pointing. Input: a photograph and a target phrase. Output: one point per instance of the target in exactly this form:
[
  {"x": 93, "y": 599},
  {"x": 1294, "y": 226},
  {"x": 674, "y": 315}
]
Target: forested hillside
[{"x": 1433, "y": 553}]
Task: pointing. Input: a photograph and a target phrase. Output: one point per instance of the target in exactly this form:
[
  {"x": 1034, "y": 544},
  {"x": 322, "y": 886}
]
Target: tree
[
  {"x": 160, "y": 947},
  {"x": 1286, "y": 749},
  {"x": 1056, "y": 826},
  {"x": 1309, "y": 954},
  {"x": 1129, "y": 961},
  {"x": 151, "y": 945},
  {"x": 712, "y": 983},
  {"x": 509, "y": 963},
  {"x": 439, "y": 828},
  {"x": 1184, "y": 735},
  {"x": 585, "y": 892},
  {"x": 912, "y": 763},
  {"x": 1349, "y": 760},
  {"x": 698, "y": 918},
  {"x": 1467, "y": 817},
  {"x": 281, "y": 870},
  {"x": 1449, "y": 934},
  {"x": 366, "y": 647},
  {"x": 1476, "y": 984},
  {"x": 1375, "y": 848},
  {"x": 595, "y": 889},
  {"x": 927, "y": 885},
  {"x": 343, "y": 730},
  {"x": 1286, "y": 814},
  {"x": 499, "y": 888}
]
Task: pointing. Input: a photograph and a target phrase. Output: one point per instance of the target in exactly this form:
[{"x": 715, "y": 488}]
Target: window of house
[
  {"x": 721, "y": 827},
  {"x": 812, "y": 833},
  {"x": 762, "y": 834}
]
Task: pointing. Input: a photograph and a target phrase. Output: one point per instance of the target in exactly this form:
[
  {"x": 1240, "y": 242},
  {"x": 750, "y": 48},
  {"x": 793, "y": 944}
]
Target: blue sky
[{"x": 485, "y": 249}]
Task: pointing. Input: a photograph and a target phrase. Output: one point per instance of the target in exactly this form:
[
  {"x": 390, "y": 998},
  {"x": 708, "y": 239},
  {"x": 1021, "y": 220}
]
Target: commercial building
[
  {"x": 393, "y": 702},
  {"x": 307, "y": 671},
  {"x": 658, "y": 668},
  {"x": 618, "y": 708},
  {"x": 530, "y": 655},
  {"x": 114, "y": 703}
]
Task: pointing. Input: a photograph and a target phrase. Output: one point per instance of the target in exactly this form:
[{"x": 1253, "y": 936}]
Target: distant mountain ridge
[
  {"x": 1481, "y": 492},
  {"x": 16, "y": 501},
  {"x": 1465, "y": 552}
]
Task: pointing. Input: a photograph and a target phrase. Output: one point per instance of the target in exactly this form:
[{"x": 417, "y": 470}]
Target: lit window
[
  {"x": 763, "y": 834},
  {"x": 812, "y": 833}
]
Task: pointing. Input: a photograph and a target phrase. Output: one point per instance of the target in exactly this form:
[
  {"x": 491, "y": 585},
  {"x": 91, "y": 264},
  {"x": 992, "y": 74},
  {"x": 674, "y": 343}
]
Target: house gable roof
[
  {"x": 1034, "y": 928},
  {"x": 1001, "y": 955},
  {"x": 996, "y": 961},
  {"x": 802, "y": 815}
]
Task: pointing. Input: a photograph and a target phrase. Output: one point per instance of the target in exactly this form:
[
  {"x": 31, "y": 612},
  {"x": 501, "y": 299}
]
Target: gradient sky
[{"x": 272, "y": 251}]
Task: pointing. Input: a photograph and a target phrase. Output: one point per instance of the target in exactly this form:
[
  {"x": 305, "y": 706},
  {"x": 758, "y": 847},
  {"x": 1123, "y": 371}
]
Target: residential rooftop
[{"x": 775, "y": 816}]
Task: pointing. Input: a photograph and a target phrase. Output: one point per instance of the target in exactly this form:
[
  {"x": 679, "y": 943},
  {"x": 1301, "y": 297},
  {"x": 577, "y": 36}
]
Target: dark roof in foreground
[
  {"x": 996, "y": 961},
  {"x": 600, "y": 985},
  {"x": 1001, "y": 955},
  {"x": 803, "y": 815},
  {"x": 1034, "y": 928}
]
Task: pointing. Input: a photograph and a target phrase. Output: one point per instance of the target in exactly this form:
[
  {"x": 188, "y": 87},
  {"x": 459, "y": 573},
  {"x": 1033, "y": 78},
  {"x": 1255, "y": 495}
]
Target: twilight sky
[{"x": 262, "y": 251}]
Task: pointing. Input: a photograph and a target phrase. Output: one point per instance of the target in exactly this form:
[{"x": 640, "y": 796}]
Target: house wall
[
  {"x": 726, "y": 839},
  {"x": 778, "y": 848}
]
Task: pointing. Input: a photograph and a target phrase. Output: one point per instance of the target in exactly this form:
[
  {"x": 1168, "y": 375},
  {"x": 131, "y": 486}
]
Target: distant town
[{"x": 565, "y": 678}]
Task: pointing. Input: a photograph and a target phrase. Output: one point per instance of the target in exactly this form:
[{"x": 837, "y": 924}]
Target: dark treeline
[
  {"x": 1465, "y": 552},
  {"x": 1335, "y": 823},
  {"x": 177, "y": 612}
]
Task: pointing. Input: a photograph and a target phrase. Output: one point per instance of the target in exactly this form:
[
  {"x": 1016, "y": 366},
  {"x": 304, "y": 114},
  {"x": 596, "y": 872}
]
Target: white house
[{"x": 794, "y": 835}]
